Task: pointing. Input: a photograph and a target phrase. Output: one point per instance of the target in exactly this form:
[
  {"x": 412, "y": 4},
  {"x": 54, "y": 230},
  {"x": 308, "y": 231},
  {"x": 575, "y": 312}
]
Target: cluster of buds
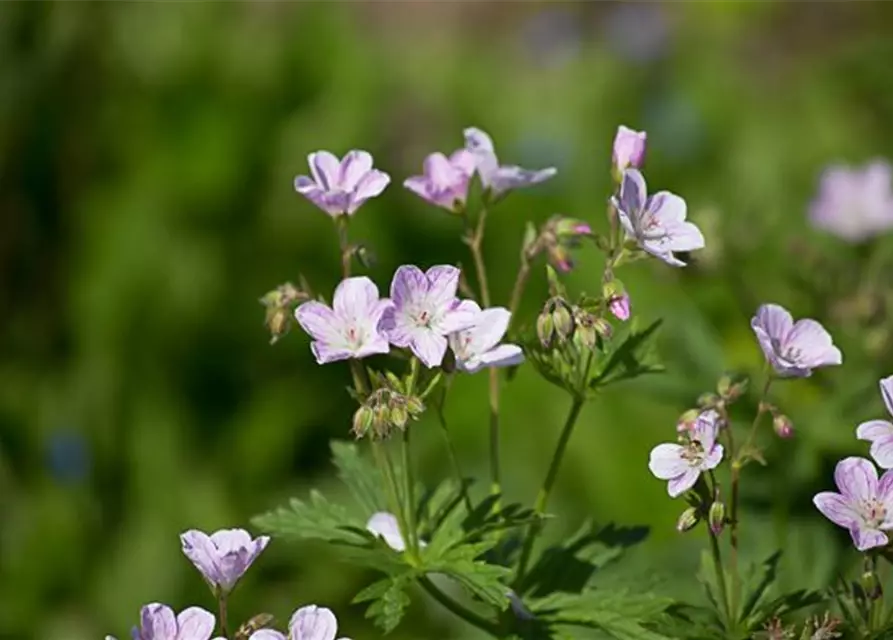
[
  {"x": 280, "y": 304},
  {"x": 555, "y": 324},
  {"x": 385, "y": 410},
  {"x": 558, "y": 237},
  {"x": 701, "y": 508},
  {"x": 589, "y": 329}
]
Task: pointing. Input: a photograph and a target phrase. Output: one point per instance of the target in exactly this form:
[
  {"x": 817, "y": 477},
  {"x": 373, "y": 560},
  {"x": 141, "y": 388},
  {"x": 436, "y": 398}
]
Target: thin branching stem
[{"x": 457, "y": 609}]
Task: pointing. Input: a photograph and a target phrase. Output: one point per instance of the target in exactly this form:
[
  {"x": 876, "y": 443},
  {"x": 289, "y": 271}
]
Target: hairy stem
[
  {"x": 341, "y": 223},
  {"x": 451, "y": 450},
  {"x": 542, "y": 498},
  {"x": 457, "y": 609},
  {"x": 221, "y": 606}
]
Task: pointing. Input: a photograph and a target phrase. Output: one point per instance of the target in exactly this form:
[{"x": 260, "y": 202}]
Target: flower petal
[
  {"x": 633, "y": 193},
  {"x": 355, "y": 165},
  {"x": 775, "y": 320},
  {"x": 666, "y": 461},
  {"x": 443, "y": 281},
  {"x": 680, "y": 484},
  {"x": 815, "y": 344},
  {"x": 836, "y": 508},
  {"x": 385, "y": 526},
  {"x": 705, "y": 428},
  {"x": 882, "y": 452},
  {"x": 865, "y": 538},
  {"x": 325, "y": 169},
  {"x": 685, "y": 237},
  {"x": 874, "y": 430},
  {"x": 488, "y": 328},
  {"x": 886, "y": 386},
  {"x": 355, "y": 298},
  {"x": 326, "y": 352},
  {"x": 856, "y": 478},
  {"x": 456, "y": 318},
  {"x": 312, "y": 623},
  {"x": 201, "y": 551},
  {"x": 666, "y": 208},
  {"x": 157, "y": 622},
  {"x": 509, "y": 177},
  {"x": 267, "y": 634},
  {"x": 195, "y": 623},
  {"x": 371, "y": 185},
  {"x": 505, "y": 355},
  {"x": 408, "y": 285},
  {"x": 319, "y": 321},
  {"x": 712, "y": 459},
  {"x": 464, "y": 161},
  {"x": 429, "y": 347},
  {"x": 481, "y": 146},
  {"x": 439, "y": 170},
  {"x": 376, "y": 344}
]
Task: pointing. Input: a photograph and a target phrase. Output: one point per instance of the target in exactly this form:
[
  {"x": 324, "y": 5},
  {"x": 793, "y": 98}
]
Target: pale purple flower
[
  {"x": 158, "y": 622},
  {"x": 656, "y": 223},
  {"x": 352, "y": 327},
  {"x": 340, "y": 187},
  {"x": 880, "y": 432},
  {"x": 793, "y": 349},
  {"x": 854, "y": 203},
  {"x": 384, "y": 525},
  {"x": 478, "y": 346},
  {"x": 629, "y": 148},
  {"x": 445, "y": 181},
  {"x": 619, "y": 306},
  {"x": 863, "y": 505},
  {"x": 500, "y": 179},
  {"x": 425, "y": 311},
  {"x": 682, "y": 464},
  {"x": 223, "y": 556},
  {"x": 307, "y": 623}
]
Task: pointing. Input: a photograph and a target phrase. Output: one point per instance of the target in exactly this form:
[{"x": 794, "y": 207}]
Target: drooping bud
[
  {"x": 783, "y": 426},
  {"x": 279, "y": 304},
  {"x": 399, "y": 416},
  {"x": 619, "y": 306},
  {"x": 716, "y": 517},
  {"x": 688, "y": 520},
  {"x": 415, "y": 406},
  {"x": 562, "y": 319},
  {"x": 603, "y": 328},
  {"x": 871, "y": 585},
  {"x": 730, "y": 388},
  {"x": 362, "y": 420},
  {"x": 545, "y": 328}
]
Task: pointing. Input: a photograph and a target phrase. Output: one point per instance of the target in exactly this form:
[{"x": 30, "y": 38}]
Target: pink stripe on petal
[
  {"x": 443, "y": 281},
  {"x": 355, "y": 298},
  {"x": 354, "y": 166},
  {"x": 319, "y": 321},
  {"x": 408, "y": 285},
  {"x": 680, "y": 484},
  {"x": 836, "y": 508},
  {"x": 868, "y": 538}
]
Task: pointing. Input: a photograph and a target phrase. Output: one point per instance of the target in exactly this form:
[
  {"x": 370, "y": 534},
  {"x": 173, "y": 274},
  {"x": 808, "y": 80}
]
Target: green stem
[
  {"x": 384, "y": 463},
  {"x": 412, "y": 537},
  {"x": 720, "y": 579},
  {"x": 341, "y": 223},
  {"x": 542, "y": 498},
  {"x": 451, "y": 450},
  {"x": 457, "y": 609},
  {"x": 221, "y": 604},
  {"x": 520, "y": 283},
  {"x": 737, "y": 463}
]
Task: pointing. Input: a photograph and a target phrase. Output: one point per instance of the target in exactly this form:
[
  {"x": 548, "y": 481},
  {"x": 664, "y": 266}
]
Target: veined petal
[
  {"x": 443, "y": 281},
  {"x": 505, "y": 355},
  {"x": 713, "y": 458},
  {"x": 429, "y": 347},
  {"x": 815, "y": 344},
  {"x": 408, "y": 286},
  {"x": 312, "y": 623},
  {"x": 882, "y": 452},
  {"x": 666, "y": 461},
  {"x": 885, "y": 497},
  {"x": 874, "y": 430},
  {"x": 355, "y": 298},
  {"x": 319, "y": 321},
  {"x": 369, "y": 186},
  {"x": 511, "y": 177},
  {"x": 886, "y": 385},
  {"x": 837, "y": 508},
  {"x": 456, "y": 318},
  {"x": 195, "y": 623},
  {"x": 375, "y": 344},
  {"x": 477, "y": 140},
  {"x": 464, "y": 161},
  {"x": 633, "y": 194},
  {"x": 705, "y": 428},
  {"x": 326, "y": 352},
  {"x": 325, "y": 169},
  {"x": 355, "y": 165},
  {"x": 157, "y": 622},
  {"x": 775, "y": 320},
  {"x": 267, "y": 634},
  {"x": 856, "y": 479},
  {"x": 685, "y": 236},
  {"x": 666, "y": 208},
  {"x": 680, "y": 484},
  {"x": 865, "y": 538}
]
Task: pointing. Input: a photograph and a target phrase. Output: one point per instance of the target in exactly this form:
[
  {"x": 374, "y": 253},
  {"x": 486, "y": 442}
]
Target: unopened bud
[
  {"x": 560, "y": 258},
  {"x": 362, "y": 421},
  {"x": 399, "y": 416},
  {"x": 871, "y": 585},
  {"x": 687, "y": 420},
  {"x": 364, "y": 256},
  {"x": 708, "y": 400},
  {"x": 545, "y": 329},
  {"x": 562, "y": 320},
  {"x": 730, "y": 388},
  {"x": 381, "y": 420},
  {"x": 717, "y": 517},
  {"x": 688, "y": 520},
  {"x": 570, "y": 227},
  {"x": 619, "y": 306},
  {"x": 603, "y": 328},
  {"x": 278, "y": 321},
  {"x": 783, "y": 426},
  {"x": 415, "y": 406},
  {"x": 585, "y": 334}
]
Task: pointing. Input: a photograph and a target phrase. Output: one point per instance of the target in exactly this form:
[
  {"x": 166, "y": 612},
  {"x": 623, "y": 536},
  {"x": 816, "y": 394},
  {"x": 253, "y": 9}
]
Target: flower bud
[
  {"x": 687, "y": 420},
  {"x": 278, "y": 321},
  {"x": 570, "y": 228},
  {"x": 629, "y": 148},
  {"x": 708, "y": 400},
  {"x": 716, "y": 517},
  {"x": 585, "y": 333},
  {"x": 619, "y": 306},
  {"x": 560, "y": 258},
  {"x": 415, "y": 406},
  {"x": 783, "y": 426},
  {"x": 381, "y": 420},
  {"x": 730, "y": 388},
  {"x": 603, "y": 328},
  {"x": 362, "y": 420},
  {"x": 688, "y": 520},
  {"x": 399, "y": 416},
  {"x": 562, "y": 320},
  {"x": 545, "y": 328},
  {"x": 871, "y": 585}
]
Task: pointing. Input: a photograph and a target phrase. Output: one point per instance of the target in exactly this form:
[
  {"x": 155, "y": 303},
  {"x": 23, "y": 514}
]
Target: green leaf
[
  {"x": 629, "y": 359},
  {"x": 619, "y": 613},
  {"x": 766, "y": 580},
  {"x": 317, "y": 519},
  {"x": 389, "y": 601},
  {"x": 480, "y": 579},
  {"x": 363, "y": 478}
]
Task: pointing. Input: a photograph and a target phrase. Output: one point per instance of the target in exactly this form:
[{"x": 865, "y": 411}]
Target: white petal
[
  {"x": 355, "y": 299},
  {"x": 887, "y": 393},
  {"x": 325, "y": 169},
  {"x": 666, "y": 461},
  {"x": 354, "y": 166},
  {"x": 312, "y": 623},
  {"x": 874, "y": 430},
  {"x": 443, "y": 281},
  {"x": 775, "y": 320},
  {"x": 680, "y": 484},
  {"x": 505, "y": 355},
  {"x": 429, "y": 347},
  {"x": 385, "y": 526},
  {"x": 195, "y": 623},
  {"x": 488, "y": 328},
  {"x": 856, "y": 478}
]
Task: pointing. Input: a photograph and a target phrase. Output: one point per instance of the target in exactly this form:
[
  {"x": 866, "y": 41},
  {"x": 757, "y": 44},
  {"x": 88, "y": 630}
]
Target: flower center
[
  {"x": 354, "y": 336},
  {"x": 693, "y": 453},
  {"x": 873, "y": 513}
]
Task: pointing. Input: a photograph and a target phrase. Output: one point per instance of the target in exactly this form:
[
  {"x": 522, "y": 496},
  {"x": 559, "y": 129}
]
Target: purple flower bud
[
  {"x": 223, "y": 556},
  {"x": 629, "y": 148},
  {"x": 619, "y": 306},
  {"x": 783, "y": 426}
]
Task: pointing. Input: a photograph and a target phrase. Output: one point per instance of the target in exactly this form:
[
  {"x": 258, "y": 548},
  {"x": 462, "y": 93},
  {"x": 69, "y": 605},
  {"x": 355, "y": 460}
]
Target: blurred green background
[{"x": 147, "y": 153}]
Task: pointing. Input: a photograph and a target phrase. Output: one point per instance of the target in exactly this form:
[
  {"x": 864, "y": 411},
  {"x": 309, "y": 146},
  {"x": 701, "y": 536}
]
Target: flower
[
  {"x": 476, "y": 347},
  {"x": 619, "y": 306},
  {"x": 223, "y": 556},
  {"x": 880, "y": 432},
  {"x": 445, "y": 180},
  {"x": 307, "y": 623},
  {"x": 854, "y": 203},
  {"x": 657, "y": 223},
  {"x": 352, "y": 327},
  {"x": 157, "y": 622},
  {"x": 864, "y": 505},
  {"x": 500, "y": 179},
  {"x": 793, "y": 350},
  {"x": 425, "y": 311},
  {"x": 385, "y": 526},
  {"x": 682, "y": 464},
  {"x": 629, "y": 148},
  {"x": 340, "y": 187}
]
